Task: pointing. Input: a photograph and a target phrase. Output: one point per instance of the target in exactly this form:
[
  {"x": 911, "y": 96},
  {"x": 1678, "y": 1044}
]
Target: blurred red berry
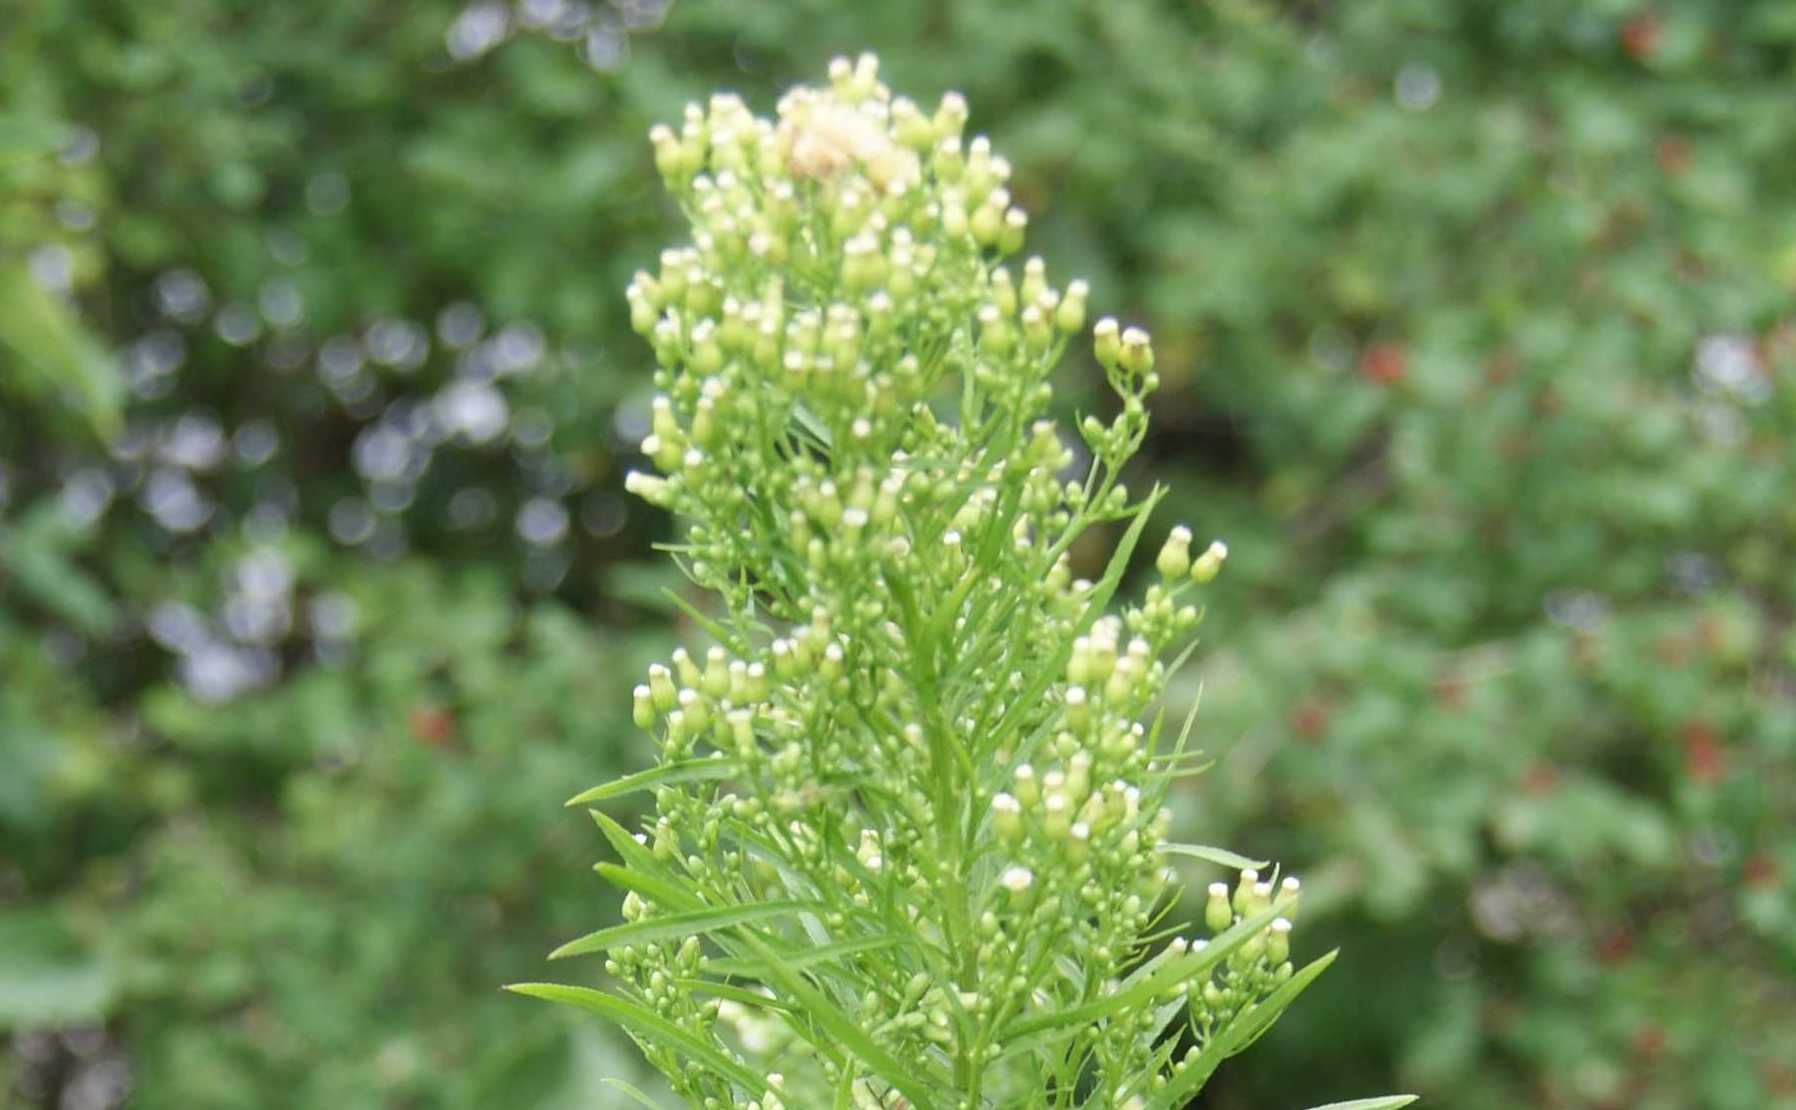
[
  {"x": 1641, "y": 37},
  {"x": 1383, "y": 363}
]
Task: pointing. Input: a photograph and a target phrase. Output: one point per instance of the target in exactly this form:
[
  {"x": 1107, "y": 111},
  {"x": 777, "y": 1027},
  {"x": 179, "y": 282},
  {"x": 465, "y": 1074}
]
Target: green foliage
[{"x": 1472, "y": 321}]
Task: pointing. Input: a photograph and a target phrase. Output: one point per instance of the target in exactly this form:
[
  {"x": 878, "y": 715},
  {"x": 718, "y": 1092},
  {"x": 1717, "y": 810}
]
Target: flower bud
[
  {"x": 661, "y": 688},
  {"x": 1078, "y": 841},
  {"x": 686, "y": 668},
  {"x": 1010, "y": 236},
  {"x": 654, "y": 490},
  {"x": 1289, "y": 894},
  {"x": 1078, "y": 777},
  {"x": 987, "y": 224},
  {"x": 1069, "y": 316},
  {"x": 642, "y": 708},
  {"x": 1078, "y": 709},
  {"x": 1278, "y": 941},
  {"x": 1175, "y": 555},
  {"x": 1217, "y": 913},
  {"x": 1209, "y": 564},
  {"x": 696, "y": 710},
  {"x": 1028, "y": 790},
  {"x": 1137, "y": 353},
  {"x": 1106, "y": 343},
  {"x": 1243, "y": 889},
  {"x": 1007, "y": 818},
  {"x": 717, "y": 673}
]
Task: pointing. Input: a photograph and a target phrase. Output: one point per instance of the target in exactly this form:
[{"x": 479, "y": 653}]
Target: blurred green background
[{"x": 318, "y": 590}]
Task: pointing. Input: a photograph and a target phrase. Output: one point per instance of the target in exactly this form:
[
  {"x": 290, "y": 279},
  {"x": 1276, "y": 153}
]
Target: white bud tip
[
  {"x": 1221, "y": 889},
  {"x": 1017, "y": 879}
]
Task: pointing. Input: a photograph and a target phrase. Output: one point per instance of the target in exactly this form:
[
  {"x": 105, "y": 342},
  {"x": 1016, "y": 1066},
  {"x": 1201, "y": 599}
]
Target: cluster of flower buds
[{"x": 917, "y": 712}]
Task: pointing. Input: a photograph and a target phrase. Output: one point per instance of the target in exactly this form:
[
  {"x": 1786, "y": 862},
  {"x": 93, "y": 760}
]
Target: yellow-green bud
[
  {"x": 1028, "y": 790},
  {"x": 661, "y": 688},
  {"x": 1007, "y": 817},
  {"x": 1217, "y": 913},
  {"x": 1106, "y": 342},
  {"x": 1137, "y": 354},
  {"x": 1208, "y": 565},
  {"x": 1243, "y": 889},
  {"x": 642, "y": 708},
  {"x": 1069, "y": 315},
  {"x": 1278, "y": 941},
  {"x": 1175, "y": 554}
]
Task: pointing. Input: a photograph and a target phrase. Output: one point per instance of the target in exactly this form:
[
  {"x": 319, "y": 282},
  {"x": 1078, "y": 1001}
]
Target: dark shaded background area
[{"x": 319, "y": 592}]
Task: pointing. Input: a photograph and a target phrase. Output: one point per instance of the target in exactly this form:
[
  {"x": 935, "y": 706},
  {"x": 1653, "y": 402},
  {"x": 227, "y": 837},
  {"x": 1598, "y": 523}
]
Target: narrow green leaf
[
  {"x": 807, "y": 420},
  {"x": 636, "y": 1095},
  {"x": 1222, "y": 857},
  {"x": 641, "y": 860},
  {"x": 1242, "y": 1032},
  {"x": 736, "y": 644},
  {"x": 1387, "y": 1102},
  {"x": 653, "y": 887},
  {"x": 753, "y": 968},
  {"x": 677, "y": 925},
  {"x": 649, "y": 1026},
  {"x": 1173, "y": 973},
  {"x": 734, "y": 994},
  {"x": 844, "y": 1030},
  {"x": 707, "y": 769}
]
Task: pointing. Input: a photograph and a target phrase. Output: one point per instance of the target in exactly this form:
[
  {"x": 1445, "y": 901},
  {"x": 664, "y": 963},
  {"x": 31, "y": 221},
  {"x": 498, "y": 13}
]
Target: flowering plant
[{"x": 909, "y": 846}]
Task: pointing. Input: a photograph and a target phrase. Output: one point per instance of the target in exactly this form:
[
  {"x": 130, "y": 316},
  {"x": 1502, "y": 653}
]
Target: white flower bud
[
  {"x": 1137, "y": 354},
  {"x": 1218, "y": 914},
  {"x": 1028, "y": 790},
  {"x": 1209, "y": 564},
  {"x": 1017, "y": 880},
  {"x": 654, "y": 490},
  {"x": 661, "y": 688},
  {"x": 642, "y": 708},
  {"x": 1007, "y": 816},
  {"x": 1278, "y": 941},
  {"x": 1105, "y": 342},
  {"x": 1175, "y": 554}
]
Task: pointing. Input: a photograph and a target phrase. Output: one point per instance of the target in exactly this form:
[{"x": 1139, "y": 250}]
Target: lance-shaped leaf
[
  {"x": 1166, "y": 977},
  {"x": 708, "y": 769},
  {"x": 677, "y": 925},
  {"x": 1237, "y": 1035},
  {"x": 1220, "y": 856},
  {"x": 648, "y": 1026}
]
